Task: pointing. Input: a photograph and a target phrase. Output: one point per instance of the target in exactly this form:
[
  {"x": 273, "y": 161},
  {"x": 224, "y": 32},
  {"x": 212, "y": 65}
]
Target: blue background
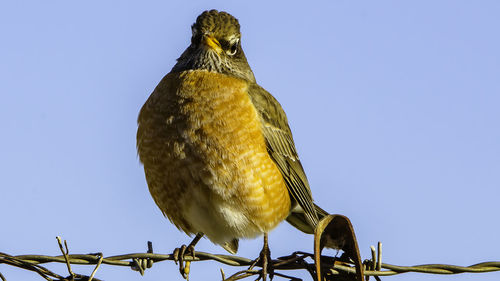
[{"x": 394, "y": 107}]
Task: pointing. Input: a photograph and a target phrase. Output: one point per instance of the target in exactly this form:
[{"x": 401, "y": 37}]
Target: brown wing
[{"x": 282, "y": 150}]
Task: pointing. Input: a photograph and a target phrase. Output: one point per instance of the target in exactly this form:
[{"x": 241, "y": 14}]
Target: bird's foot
[
  {"x": 265, "y": 261},
  {"x": 184, "y": 251},
  {"x": 179, "y": 257}
]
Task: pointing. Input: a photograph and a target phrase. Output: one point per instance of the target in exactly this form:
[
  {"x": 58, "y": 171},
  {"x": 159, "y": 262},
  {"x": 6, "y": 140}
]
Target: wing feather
[{"x": 281, "y": 148}]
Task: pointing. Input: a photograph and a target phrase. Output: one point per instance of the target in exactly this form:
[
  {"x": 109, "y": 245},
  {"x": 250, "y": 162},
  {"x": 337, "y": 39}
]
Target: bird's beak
[{"x": 211, "y": 43}]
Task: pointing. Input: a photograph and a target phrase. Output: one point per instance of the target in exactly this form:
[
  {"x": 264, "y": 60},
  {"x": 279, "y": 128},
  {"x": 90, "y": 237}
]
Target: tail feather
[
  {"x": 299, "y": 220},
  {"x": 231, "y": 246}
]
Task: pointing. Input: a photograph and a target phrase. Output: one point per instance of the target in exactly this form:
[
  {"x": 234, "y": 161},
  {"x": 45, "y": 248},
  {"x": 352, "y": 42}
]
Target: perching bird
[{"x": 217, "y": 150}]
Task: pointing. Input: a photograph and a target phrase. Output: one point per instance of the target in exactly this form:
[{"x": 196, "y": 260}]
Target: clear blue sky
[{"x": 394, "y": 106}]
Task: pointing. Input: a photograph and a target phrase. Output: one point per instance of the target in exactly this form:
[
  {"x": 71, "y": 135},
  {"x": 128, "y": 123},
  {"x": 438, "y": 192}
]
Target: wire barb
[
  {"x": 97, "y": 266},
  {"x": 65, "y": 253}
]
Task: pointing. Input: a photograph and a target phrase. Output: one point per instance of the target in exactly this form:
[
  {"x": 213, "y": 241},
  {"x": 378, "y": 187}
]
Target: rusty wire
[{"x": 297, "y": 260}]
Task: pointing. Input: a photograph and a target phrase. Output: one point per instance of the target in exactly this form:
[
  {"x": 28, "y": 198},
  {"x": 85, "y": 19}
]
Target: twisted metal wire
[
  {"x": 127, "y": 260},
  {"x": 141, "y": 261}
]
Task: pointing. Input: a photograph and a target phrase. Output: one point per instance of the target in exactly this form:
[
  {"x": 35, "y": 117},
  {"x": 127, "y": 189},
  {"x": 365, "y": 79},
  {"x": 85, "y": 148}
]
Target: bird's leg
[
  {"x": 180, "y": 253},
  {"x": 265, "y": 256},
  {"x": 265, "y": 261}
]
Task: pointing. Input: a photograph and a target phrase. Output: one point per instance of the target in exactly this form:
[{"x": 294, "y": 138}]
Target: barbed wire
[{"x": 297, "y": 260}]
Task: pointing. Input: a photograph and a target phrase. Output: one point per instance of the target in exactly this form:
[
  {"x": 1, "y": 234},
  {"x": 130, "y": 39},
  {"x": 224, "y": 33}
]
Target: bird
[{"x": 218, "y": 153}]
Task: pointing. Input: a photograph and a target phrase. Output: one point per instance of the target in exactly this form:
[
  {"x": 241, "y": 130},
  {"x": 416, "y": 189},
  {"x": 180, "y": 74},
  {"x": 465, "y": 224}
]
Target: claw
[
  {"x": 176, "y": 255},
  {"x": 182, "y": 268}
]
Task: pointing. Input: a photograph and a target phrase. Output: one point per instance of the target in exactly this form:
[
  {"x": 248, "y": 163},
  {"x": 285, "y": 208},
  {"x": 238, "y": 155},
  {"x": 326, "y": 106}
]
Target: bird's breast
[{"x": 209, "y": 136}]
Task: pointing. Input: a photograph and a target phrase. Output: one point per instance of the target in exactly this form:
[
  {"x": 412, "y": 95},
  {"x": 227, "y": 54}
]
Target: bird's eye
[{"x": 233, "y": 49}]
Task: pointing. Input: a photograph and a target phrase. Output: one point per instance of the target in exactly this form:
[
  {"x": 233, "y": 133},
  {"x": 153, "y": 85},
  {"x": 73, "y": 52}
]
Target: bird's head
[{"x": 216, "y": 46}]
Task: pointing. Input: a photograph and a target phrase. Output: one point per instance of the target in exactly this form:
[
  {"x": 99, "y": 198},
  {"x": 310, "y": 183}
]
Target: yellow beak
[{"x": 210, "y": 42}]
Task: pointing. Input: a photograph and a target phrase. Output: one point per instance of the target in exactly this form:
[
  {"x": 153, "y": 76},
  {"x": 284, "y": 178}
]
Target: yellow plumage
[{"x": 201, "y": 141}]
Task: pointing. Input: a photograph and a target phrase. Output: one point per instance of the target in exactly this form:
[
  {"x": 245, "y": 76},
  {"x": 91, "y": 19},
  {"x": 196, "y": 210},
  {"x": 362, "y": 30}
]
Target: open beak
[{"x": 211, "y": 43}]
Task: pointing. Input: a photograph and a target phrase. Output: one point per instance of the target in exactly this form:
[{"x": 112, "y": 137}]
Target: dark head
[{"x": 216, "y": 46}]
